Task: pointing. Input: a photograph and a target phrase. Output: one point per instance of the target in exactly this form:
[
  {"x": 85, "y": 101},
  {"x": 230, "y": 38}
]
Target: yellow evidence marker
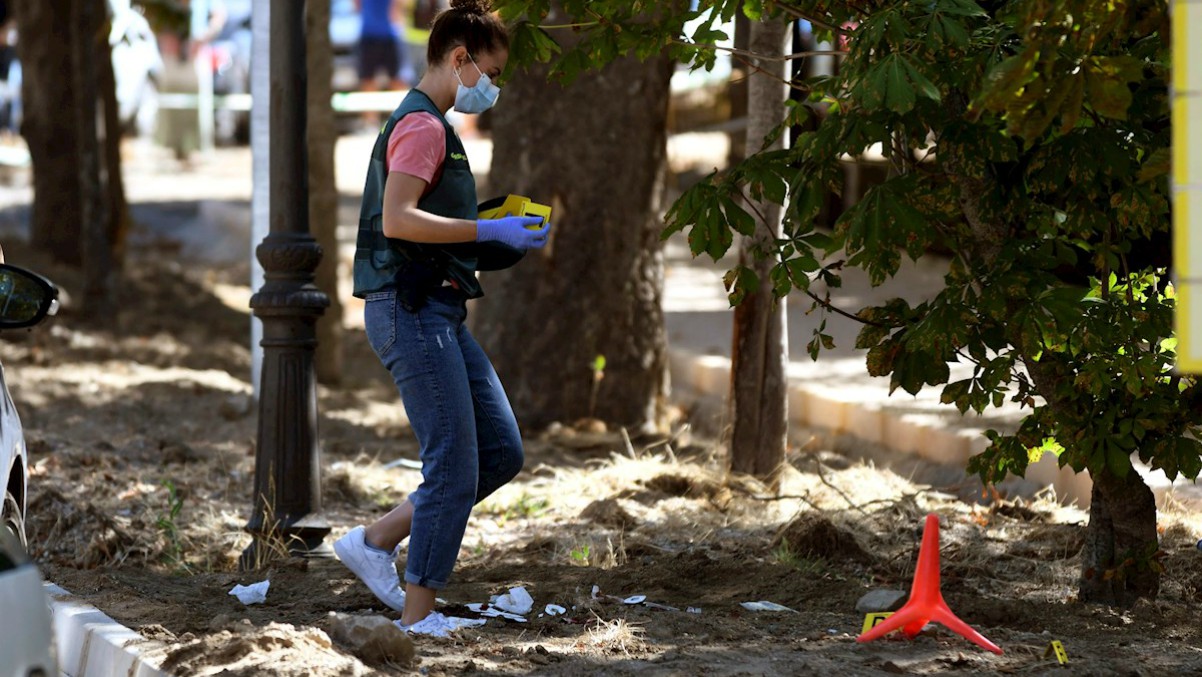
[
  {"x": 873, "y": 619},
  {"x": 515, "y": 205},
  {"x": 1055, "y": 648}
]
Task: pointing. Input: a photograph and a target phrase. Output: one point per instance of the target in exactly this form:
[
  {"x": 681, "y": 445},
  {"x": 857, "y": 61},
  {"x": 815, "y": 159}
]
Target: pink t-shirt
[{"x": 417, "y": 147}]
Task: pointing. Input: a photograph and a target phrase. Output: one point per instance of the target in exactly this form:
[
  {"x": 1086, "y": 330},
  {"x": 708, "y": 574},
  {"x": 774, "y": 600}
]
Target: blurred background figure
[
  {"x": 228, "y": 37},
  {"x": 421, "y": 14},
  {"x": 380, "y": 48},
  {"x": 10, "y": 76}
]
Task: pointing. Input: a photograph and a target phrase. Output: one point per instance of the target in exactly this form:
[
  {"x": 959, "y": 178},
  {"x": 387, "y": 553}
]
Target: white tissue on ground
[
  {"x": 555, "y": 610},
  {"x": 494, "y": 612},
  {"x": 516, "y": 601},
  {"x": 438, "y": 625},
  {"x": 764, "y": 605},
  {"x": 255, "y": 593}
]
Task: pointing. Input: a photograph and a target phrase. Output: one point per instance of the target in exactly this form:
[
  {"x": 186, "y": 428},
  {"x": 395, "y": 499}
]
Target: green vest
[{"x": 379, "y": 259}]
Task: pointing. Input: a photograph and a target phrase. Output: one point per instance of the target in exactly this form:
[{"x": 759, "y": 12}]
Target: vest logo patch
[{"x": 458, "y": 156}]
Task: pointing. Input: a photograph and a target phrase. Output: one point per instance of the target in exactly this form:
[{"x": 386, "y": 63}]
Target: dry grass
[{"x": 613, "y": 637}]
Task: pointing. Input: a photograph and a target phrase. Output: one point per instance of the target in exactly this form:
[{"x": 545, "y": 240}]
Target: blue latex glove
[{"x": 515, "y": 231}]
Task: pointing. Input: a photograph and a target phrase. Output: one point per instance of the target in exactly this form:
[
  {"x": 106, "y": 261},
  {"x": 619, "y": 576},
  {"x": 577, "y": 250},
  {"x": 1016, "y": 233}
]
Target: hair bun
[{"x": 472, "y": 6}]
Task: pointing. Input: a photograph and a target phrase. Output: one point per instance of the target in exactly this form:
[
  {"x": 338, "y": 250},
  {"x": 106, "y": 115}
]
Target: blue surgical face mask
[{"x": 479, "y": 98}]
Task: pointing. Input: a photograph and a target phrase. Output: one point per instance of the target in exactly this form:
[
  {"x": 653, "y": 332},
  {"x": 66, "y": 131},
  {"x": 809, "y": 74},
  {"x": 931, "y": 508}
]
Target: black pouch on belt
[{"x": 414, "y": 282}]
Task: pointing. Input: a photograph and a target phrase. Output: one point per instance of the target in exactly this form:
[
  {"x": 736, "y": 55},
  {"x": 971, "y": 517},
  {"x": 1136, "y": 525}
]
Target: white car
[
  {"x": 25, "y": 299},
  {"x": 137, "y": 71},
  {"x": 27, "y": 647},
  {"x": 137, "y": 68}
]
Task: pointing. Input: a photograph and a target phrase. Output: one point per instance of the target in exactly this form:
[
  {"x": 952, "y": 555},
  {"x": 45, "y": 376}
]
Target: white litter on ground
[
  {"x": 255, "y": 593},
  {"x": 494, "y": 612},
  {"x": 516, "y": 601},
  {"x": 438, "y": 625},
  {"x": 765, "y": 606}
]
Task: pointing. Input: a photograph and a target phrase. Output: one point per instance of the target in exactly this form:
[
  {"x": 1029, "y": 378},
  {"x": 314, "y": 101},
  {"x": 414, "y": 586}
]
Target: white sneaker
[
  {"x": 437, "y": 625},
  {"x": 375, "y": 568}
]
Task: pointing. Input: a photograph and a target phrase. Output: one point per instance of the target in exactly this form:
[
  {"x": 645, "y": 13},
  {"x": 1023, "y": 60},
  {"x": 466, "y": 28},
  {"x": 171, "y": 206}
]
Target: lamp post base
[{"x": 265, "y": 549}]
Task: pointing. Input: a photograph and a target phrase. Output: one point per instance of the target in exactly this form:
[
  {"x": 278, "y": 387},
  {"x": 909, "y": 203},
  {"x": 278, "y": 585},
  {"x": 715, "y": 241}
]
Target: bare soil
[{"x": 142, "y": 440}]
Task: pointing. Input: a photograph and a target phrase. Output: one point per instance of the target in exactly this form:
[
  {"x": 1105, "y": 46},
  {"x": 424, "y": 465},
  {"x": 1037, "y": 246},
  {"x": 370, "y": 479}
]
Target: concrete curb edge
[
  {"x": 906, "y": 434},
  {"x": 91, "y": 644}
]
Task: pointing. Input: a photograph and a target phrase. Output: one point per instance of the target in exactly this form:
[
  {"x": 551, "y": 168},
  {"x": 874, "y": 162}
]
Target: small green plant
[
  {"x": 784, "y": 554},
  {"x": 166, "y": 523},
  {"x": 580, "y": 555},
  {"x": 598, "y": 366},
  {"x": 526, "y": 506}
]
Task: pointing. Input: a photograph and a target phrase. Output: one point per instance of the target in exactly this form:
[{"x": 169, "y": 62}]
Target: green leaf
[
  {"x": 1118, "y": 462},
  {"x": 1108, "y": 95},
  {"x": 921, "y": 82},
  {"x": 953, "y": 393},
  {"x": 1189, "y": 456},
  {"x": 959, "y": 8},
  {"x": 740, "y": 281},
  {"x": 529, "y": 42},
  {"x": 738, "y": 218},
  {"x": 899, "y": 93},
  {"x": 1158, "y": 164}
]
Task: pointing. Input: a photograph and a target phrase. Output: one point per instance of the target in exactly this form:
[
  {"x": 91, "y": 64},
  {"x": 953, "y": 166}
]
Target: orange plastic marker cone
[{"x": 926, "y": 599}]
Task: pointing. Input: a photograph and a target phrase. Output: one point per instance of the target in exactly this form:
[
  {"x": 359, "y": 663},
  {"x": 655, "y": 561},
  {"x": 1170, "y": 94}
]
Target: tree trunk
[
  {"x": 116, "y": 206},
  {"x": 759, "y": 382},
  {"x": 323, "y": 194},
  {"x": 49, "y": 125},
  {"x": 1122, "y": 511},
  {"x": 1117, "y": 563},
  {"x": 98, "y": 299},
  {"x": 737, "y": 91},
  {"x": 595, "y": 151}
]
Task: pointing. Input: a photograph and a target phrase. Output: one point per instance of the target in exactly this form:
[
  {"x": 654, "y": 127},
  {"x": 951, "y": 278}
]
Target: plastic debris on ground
[
  {"x": 764, "y": 605},
  {"x": 555, "y": 610},
  {"x": 516, "y": 601},
  {"x": 694, "y": 609},
  {"x": 254, "y": 593},
  {"x": 490, "y": 611},
  {"x": 438, "y": 625}
]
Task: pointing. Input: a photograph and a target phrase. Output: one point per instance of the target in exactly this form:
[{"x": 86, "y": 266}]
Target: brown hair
[{"x": 470, "y": 23}]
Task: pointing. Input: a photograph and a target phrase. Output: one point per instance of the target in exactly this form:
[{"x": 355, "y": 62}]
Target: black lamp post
[{"x": 287, "y": 496}]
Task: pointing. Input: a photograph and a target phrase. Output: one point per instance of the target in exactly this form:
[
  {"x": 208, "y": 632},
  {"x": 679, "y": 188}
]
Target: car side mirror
[{"x": 25, "y": 298}]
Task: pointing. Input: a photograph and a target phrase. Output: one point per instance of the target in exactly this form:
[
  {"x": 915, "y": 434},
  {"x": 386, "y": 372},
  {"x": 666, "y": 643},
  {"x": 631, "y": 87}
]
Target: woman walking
[{"x": 419, "y": 246}]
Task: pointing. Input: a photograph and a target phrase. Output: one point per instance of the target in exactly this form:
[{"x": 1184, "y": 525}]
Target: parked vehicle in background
[
  {"x": 137, "y": 68},
  {"x": 26, "y": 635},
  {"x": 25, "y": 300}
]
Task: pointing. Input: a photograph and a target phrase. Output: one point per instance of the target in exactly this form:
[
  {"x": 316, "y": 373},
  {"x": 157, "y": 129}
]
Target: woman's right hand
[{"x": 515, "y": 231}]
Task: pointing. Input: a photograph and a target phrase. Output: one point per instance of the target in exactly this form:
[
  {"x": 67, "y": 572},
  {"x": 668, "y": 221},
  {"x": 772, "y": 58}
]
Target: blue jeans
[{"x": 470, "y": 443}]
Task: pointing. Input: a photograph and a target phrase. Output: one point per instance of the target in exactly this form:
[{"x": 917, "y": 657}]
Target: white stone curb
[
  {"x": 844, "y": 412},
  {"x": 91, "y": 644}
]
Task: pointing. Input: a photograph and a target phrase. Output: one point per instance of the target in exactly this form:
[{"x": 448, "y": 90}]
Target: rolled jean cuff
[{"x": 424, "y": 582}]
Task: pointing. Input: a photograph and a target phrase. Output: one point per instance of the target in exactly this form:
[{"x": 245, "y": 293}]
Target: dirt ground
[{"x": 142, "y": 440}]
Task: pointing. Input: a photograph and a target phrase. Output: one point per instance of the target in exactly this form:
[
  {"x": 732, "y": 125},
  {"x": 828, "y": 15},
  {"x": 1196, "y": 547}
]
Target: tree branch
[{"x": 761, "y": 57}]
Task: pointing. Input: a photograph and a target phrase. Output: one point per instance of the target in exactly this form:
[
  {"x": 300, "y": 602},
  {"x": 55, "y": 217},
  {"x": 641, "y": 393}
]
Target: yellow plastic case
[
  {"x": 497, "y": 255},
  {"x": 515, "y": 205}
]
